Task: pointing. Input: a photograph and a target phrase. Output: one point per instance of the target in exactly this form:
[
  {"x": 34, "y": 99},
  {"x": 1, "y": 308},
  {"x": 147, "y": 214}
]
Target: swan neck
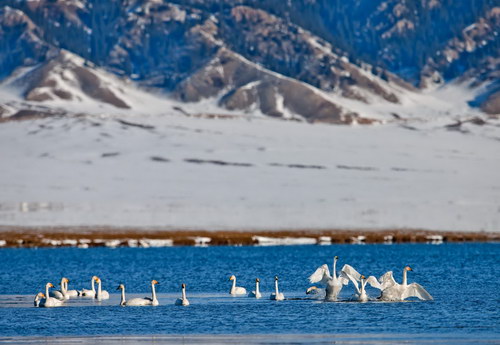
[
  {"x": 153, "y": 291},
  {"x": 334, "y": 274},
  {"x": 363, "y": 284},
  {"x": 234, "y": 285},
  {"x": 183, "y": 293},
  {"x": 257, "y": 288},
  {"x": 122, "y": 302},
  {"x": 404, "y": 277},
  {"x": 276, "y": 286},
  {"x": 93, "y": 286},
  {"x": 47, "y": 291}
]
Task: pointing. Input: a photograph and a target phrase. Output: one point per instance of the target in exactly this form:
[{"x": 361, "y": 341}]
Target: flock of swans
[
  {"x": 333, "y": 283},
  {"x": 58, "y": 297}
]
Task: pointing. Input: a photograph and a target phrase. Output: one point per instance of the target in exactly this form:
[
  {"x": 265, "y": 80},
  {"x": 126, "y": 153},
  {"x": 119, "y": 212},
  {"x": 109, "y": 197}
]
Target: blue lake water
[{"x": 463, "y": 279}]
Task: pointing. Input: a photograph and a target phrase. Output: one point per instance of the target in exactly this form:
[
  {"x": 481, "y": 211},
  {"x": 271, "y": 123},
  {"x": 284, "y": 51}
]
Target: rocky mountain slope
[{"x": 285, "y": 59}]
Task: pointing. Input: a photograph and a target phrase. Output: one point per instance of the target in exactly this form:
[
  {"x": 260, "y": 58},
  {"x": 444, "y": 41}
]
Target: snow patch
[{"x": 284, "y": 241}]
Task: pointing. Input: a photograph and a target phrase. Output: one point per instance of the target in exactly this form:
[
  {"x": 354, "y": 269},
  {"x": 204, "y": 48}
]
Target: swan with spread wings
[
  {"x": 392, "y": 291},
  {"x": 350, "y": 273},
  {"x": 334, "y": 282}
]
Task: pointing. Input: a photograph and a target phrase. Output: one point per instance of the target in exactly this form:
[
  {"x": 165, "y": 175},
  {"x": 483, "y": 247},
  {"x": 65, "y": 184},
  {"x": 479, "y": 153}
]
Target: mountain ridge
[{"x": 165, "y": 46}]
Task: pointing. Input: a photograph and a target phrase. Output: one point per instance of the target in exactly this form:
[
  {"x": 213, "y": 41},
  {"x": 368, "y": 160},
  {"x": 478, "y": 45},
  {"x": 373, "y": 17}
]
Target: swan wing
[
  {"x": 321, "y": 275},
  {"x": 374, "y": 282},
  {"x": 57, "y": 294},
  {"x": 139, "y": 301},
  {"x": 387, "y": 280},
  {"x": 352, "y": 273},
  {"x": 346, "y": 276},
  {"x": 416, "y": 290},
  {"x": 72, "y": 293},
  {"x": 180, "y": 301}
]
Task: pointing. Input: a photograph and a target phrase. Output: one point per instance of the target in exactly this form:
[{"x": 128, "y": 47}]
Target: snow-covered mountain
[{"x": 240, "y": 56}]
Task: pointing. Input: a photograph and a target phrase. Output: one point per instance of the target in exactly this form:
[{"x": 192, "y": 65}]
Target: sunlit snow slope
[{"x": 175, "y": 171}]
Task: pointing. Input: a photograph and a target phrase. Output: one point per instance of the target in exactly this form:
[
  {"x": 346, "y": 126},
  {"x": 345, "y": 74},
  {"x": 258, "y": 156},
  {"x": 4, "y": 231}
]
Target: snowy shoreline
[{"x": 111, "y": 237}]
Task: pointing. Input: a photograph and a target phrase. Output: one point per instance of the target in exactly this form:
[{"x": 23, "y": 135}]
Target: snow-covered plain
[{"x": 248, "y": 173}]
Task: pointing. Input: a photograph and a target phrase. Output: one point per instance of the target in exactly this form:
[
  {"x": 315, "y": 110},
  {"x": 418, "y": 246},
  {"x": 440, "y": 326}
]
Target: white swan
[
  {"x": 183, "y": 300},
  {"x": 69, "y": 293},
  {"x": 49, "y": 301},
  {"x": 256, "y": 293},
  {"x": 392, "y": 291},
  {"x": 139, "y": 302},
  {"x": 236, "y": 290},
  {"x": 101, "y": 294},
  {"x": 86, "y": 292},
  {"x": 333, "y": 283},
  {"x": 38, "y": 299},
  {"x": 60, "y": 294},
  {"x": 276, "y": 295}
]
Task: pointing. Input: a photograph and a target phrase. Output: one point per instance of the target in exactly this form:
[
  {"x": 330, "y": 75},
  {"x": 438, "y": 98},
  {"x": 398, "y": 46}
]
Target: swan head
[
  {"x": 257, "y": 280},
  {"x": 154, "y": 282},
  {"x": 183, "y": 286},
  {"x": 97, "y": 280},
  {"x": 275, "y": 277},
  {"x": 40, "y": 295},
  {"x": 362, "y": 277},
  {"x": 233, "y": 277},
  {"x": 66, "y": 280},
  {"x": 408, "y": 268},
  {"x": 50, "y": 285},
  {"x": 120, "y": 287},
  {"x": 311, "y": 290},
  {"x": 335, "y": 258}
]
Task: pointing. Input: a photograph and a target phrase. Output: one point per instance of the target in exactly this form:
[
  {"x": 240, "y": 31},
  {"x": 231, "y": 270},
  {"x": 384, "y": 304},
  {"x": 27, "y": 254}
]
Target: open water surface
[{"x": 462, "y": 278}]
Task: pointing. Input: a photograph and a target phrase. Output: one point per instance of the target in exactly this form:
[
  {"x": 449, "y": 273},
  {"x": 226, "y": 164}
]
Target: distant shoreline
[{"x": 84, "y": 237}]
